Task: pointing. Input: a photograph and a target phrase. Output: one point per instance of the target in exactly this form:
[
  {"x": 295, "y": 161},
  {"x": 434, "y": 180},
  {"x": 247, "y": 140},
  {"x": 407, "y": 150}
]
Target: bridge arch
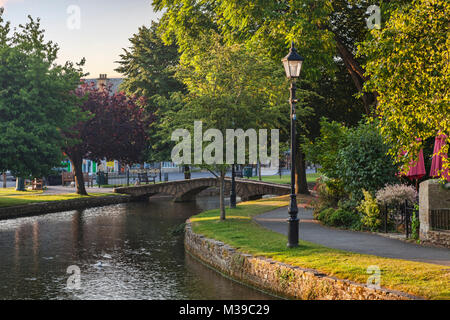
[{"x": 186, "y": 190}]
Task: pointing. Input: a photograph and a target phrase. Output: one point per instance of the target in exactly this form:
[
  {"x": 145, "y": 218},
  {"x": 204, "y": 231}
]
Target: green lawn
[
  {"x": 241, "y": 232},
  {"x": 286, "y": 179},
  {"x": 9, "y": 197}
]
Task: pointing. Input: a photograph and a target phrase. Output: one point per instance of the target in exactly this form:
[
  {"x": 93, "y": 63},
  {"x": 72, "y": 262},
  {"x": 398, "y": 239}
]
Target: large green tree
[
  {"x": 409, "y": 68},
  {"x": 35, "y": 100},
  {"x": 229, "y": 87},
  {"x": 325, "y": 31},
  {"x": 149, "y": 66}
]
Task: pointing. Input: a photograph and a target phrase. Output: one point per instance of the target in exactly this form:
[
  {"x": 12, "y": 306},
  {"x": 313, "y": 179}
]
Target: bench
[
  {"x": 37, "y": 184},
  {"x": 146, "y": 177},
  {"x": 67, "y": 177},
  {"x": 70, "y": 177}
]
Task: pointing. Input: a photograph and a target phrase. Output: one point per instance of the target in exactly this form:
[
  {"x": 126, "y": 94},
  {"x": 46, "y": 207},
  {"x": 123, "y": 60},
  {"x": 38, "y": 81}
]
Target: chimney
[{"x": 102, "y": 80}]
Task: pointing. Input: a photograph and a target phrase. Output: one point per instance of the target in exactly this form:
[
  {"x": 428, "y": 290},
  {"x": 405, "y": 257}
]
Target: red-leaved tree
[{"x": 115, "y": 128}]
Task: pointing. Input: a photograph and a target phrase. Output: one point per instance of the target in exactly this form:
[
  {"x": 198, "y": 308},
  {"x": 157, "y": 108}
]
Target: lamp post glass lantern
[{"x": 293, "y": 65}]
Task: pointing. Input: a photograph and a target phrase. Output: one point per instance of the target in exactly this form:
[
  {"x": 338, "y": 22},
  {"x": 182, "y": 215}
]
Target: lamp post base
[{"x": 293, "y": 231}]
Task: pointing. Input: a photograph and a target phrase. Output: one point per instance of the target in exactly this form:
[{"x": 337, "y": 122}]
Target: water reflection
[{"x": 124, "y": 251}]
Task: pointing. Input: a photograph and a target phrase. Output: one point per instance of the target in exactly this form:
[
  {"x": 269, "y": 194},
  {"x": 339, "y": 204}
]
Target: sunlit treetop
[{"x": 409, "y": 68}]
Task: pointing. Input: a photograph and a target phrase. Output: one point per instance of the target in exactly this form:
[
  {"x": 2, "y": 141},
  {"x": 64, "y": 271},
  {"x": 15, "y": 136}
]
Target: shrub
[
  {"x": 324, "y": 215},
  {"x": 396, "y": 194},
  {"x": 338, "y": 217},
  {"x": 363, "y": 161},
  {"x": 343, "y": 218},
  {"x": 371, "y": 217},
  {"x": 348, "y": 205},
  {"x": 329, "y": 192},
  {"x": 325, "y": 148}
]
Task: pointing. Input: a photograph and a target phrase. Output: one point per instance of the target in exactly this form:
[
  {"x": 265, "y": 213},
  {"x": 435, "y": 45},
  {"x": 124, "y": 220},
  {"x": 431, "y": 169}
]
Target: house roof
[{"x": 114, "y": 81}]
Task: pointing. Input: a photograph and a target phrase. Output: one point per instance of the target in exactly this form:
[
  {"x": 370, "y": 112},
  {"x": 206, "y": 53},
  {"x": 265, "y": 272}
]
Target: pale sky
[{"x": 99, "y": 35}]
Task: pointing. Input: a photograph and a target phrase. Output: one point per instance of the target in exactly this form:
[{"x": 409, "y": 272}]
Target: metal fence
[
  {"x": 440, "y": 219},
  {"x": 127, "y": 178},
  {"x": 399, "y": 217}
]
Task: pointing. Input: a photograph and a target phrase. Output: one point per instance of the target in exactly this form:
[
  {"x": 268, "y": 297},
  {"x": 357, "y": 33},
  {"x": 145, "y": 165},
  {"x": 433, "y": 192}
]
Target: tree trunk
[
  {"x": 222, "y": 194},
  {"x": 4, "y": 179},
  {"x": 357, "y": 74},
  {"x": 77, "y": 164},
  {"x": 301, "y": 186}
]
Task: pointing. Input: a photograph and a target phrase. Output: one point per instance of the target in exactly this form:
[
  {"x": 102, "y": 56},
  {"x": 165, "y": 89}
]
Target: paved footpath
[{"x": 359, "y": 242}]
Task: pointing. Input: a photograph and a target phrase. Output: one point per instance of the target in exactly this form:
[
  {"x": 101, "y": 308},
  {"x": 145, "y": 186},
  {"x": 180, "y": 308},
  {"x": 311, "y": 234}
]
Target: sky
[{"x": 97, "y": 30}]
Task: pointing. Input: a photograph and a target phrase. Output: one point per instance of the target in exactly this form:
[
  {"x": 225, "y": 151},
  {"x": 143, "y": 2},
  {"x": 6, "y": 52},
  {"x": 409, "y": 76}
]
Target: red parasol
[
  {"x": 438, "y": 159},
  {"x": 417, "y": 169}
]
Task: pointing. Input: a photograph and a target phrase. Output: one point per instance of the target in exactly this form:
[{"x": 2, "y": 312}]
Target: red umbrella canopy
[
  {"x": 417, "y": 168},
  {"x": 438, "y": 159}
]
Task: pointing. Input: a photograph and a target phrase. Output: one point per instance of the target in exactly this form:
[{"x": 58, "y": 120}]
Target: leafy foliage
[
  {"x": 229, "y": 88},
  {"x": 325, "y": 149},
  {"x": 363, "y": 161},
  {"x": 353, "y": 158},
  {"x": 149, "y": 66},
  {"x": 408, "y": 67},
  {"x": 396, "y": 194},
  {"x": 116, "y": 129},
  {"x": 35, "y": 100},
  {"x": 371, "y": 217},
  {"x": 338, "y": 217}
]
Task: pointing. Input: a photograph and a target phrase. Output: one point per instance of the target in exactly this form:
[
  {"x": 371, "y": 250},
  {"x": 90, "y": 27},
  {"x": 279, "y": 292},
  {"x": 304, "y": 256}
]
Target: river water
[{"x": 125, "y": 251}]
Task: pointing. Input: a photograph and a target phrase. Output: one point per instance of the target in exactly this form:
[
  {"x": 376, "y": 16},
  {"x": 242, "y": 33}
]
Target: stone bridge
[{"x": 186, "y": 190}]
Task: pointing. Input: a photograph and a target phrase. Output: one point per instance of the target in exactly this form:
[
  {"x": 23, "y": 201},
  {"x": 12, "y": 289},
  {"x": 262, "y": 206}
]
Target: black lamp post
[
  {"x": 233, "y": 188},
  {"x": 293, "y": 65}
]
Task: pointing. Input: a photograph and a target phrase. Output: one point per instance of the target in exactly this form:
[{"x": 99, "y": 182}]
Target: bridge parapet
[{"x": 186, "y": 190}]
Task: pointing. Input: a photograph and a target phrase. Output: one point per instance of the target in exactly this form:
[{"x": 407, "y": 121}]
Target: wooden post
[{"x": 4, "y": 179}]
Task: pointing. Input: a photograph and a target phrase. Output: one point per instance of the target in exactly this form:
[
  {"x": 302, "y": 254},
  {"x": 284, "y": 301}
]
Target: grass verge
[
  {"x": 241, "y": 232},
  {"x": 9, "y": 197},
  {"x": 286, "y": 179}
]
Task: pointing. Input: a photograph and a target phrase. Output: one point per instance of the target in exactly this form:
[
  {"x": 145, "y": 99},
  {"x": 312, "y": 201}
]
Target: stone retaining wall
[
  {"x": 438, "y": 238},
  {"x": 36, "y": 209},
  {"x": 279, "y": 278},
  {"x": 433, "y": 197}
]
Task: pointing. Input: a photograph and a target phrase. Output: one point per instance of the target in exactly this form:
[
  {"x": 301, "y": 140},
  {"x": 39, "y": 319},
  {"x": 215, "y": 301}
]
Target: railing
[
  {"x": 400, "y": 216},
  {"x": 440, "y": 219},
  {"x": 127, "y": 178}
]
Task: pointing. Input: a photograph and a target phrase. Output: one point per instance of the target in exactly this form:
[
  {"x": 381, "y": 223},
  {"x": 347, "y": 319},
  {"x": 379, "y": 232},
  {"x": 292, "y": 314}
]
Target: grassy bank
[
  {"x": 9, "y": 197},
  {"x": 286, "y": 179},
  {"x": 241, "y": 232}
]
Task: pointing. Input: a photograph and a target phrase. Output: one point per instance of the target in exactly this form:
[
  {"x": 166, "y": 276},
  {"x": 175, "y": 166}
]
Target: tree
[
  {"x": 315, "y": 26},
  {"x": 229, "y": 87},
  {"x": 35, "y": 100},
  {"x": 353, "y": 159},
  {"x": 116, "y": 129},
  {"x": 408, "y": 66},
  {"x": 363, "y": 161},
  {"x": 149, "y": 67},
  {"x": 326, "y": 31}
]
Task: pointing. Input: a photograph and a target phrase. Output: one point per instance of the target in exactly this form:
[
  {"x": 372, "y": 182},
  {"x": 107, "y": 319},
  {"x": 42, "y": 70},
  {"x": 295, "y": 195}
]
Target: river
[{"x": 125, "y": 251}]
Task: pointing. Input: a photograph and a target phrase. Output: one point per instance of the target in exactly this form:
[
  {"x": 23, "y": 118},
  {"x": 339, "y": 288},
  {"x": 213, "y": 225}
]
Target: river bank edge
[
  {"x": 278, "y": 278},
  {"x": 43, "y": 208}
]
